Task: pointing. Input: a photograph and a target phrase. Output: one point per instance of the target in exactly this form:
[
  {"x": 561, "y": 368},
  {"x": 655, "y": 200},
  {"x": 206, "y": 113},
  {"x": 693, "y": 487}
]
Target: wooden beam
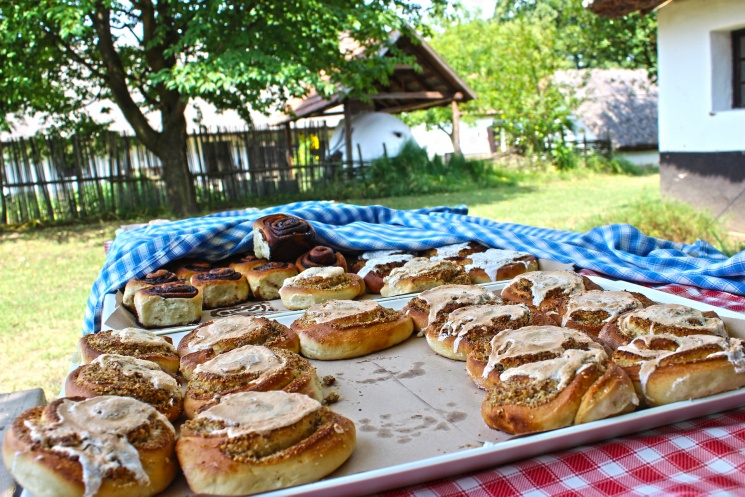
[
  {"x": 415, "y": 95},
  {"x": 409, "y": 108}
]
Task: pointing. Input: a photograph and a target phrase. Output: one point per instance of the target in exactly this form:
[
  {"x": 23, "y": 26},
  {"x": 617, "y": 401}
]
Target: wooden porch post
[
  {"x": 456, "y": 127},
  {"x": 348, "y": 133}
]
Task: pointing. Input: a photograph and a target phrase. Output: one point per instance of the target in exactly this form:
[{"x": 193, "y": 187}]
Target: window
[{"x": 738, "y": 68}]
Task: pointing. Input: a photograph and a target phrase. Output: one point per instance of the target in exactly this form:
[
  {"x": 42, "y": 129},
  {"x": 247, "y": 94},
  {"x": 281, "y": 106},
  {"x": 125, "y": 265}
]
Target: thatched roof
[
  {"x": 616, "y": 103},
  {"x": 619, "y": 8}
]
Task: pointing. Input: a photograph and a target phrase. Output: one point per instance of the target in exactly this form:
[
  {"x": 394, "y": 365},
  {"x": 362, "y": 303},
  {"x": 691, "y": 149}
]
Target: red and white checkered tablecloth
[{"x": 703, "y": 456}]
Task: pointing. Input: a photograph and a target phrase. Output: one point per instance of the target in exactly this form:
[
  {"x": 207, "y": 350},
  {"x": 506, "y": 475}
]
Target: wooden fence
[{"x": 54, "y": 179}]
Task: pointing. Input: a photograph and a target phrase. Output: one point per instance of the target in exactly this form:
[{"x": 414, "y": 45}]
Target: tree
[{"x": 156, "y": 55}]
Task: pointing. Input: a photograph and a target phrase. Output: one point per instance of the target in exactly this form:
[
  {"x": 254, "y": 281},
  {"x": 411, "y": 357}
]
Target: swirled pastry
[
  {"x": 186, "y": 268},
  {"x": 357, "y": 262},
  {"x": 498, "y": 265},
  {"x": 216, "y": 337},
  {"x": 254, "y": 442},
  {"x": 679, "y": 320},
  {"x": 111, "y": 374},
  {"x": 455, "y": 252},
  {"x": 279, "y": 237},
  {"x": 133, "y": 342},
  {"x": 590, "y": 311},
  {"x": 158, "y": 277},
  {"x": 432, "y": 306},
  {"x": 342, "y": 329},
  {"x": 667, "y": 368},
  {"x": 546, "y": 289},
  {"x": 320, "y": 284},
  {"x": 375, "y": 269},
  {"x": 172, "y": 304},
  {"x": 102, "y": 446},
  {"x": 265, "y": 280},
  {"x": 250, "y": 368},
  {"x": 221, "y": 287},
  {"x": 421, "y": 274},
  {"x": 244, "y": 263},
  {"x": 467, "y": 328},
  {"x": 550, "y": 377},
  {"x": 321, "y": 256}
]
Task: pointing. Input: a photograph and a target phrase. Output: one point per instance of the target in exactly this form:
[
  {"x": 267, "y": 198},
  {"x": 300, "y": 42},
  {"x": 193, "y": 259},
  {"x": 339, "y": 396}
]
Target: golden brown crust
[
  {"x": 171, "y": 304},
  {"x": 591, "y": 310},
  {"x": 435, "y": 304},
  {"x": 186, "y": 268},
  {"x": 283, "y": 238},
  {"x": 374, "y": 271},
  {"x": 245, "y": 263},
  {"x": 158, "y": 277},
  {"x": 265, "y": 280},
  {"x": 346, "y": 329},
  {"x": 321, "y": 256},
  {"x": 216, "y": 337},
  {"x": 158, "y": 349},
  {"x": 454, "y": 252},
  {"x": 319, "y": 285},
  {"x": 482, "y": 270},
  {"x": 420, "y": 274},
  {"x": 221, "y": 287}
]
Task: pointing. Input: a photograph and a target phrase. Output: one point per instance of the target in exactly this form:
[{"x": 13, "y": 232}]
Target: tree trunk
[{"x": 178, "y": 179}]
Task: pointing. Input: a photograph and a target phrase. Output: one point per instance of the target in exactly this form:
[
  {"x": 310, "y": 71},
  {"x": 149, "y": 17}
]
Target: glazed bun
[
  {"x": 222, "y": 335},
  {"x": 546, "y": 289},
  {"x": 357, "y": 262},
  {"x": 255, "y": 442},
  {"x": 106, "y": 446},
  {"x": 420, "y": 274},
  {"x": 172, "y": 304},
  {"x": 266, "y": 279},
  {"x": 321, "y": 256},
  {"x": 320, "y": 284},
  {"x": 221, "y": 287},
  {"x": 432, "y": 306},
  {"x": 342, "y": 329},
  {"x": 374, "y": 270},
  {"x": 158, "y": 277},
  {"x": 283, "y": 238},
  {"x": 142, "y": 344},
  {"x": 590, "y": 311},
  {"x": 455, "y": 252},
  {"x": 498, "y": 265}
]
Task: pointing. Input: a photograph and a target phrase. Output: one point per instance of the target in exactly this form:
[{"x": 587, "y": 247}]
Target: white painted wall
[
  {"x": 641, "y": 158},
  {"x": 695, "y": 74}
]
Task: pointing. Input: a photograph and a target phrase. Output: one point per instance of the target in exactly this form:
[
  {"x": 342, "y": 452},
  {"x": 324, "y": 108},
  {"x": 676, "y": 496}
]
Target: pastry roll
[
  {"x": 590, "y": 311},
  {"x": 432, "y": 306},
  {"x": 254, "y": 442},
  {"x": 321, "y": 256},
  {"x": 667, "y": 368},
  {"x": 265, "y": 280},
  {"x": 102, "y": 446},
  {"x": 546, "y": 289},
  {"x": 245, "y": 263},
  {"x": 342, "y": 329},
  {"x": 320, "y": 284},
  {"x": 221, "y": 287},
  {"x": 498, "y": 265},
  {"x": 172, "y": 304},
  {"x": 111, "y": 374},
  {"x": 187, "y": 268},
  {"x": 357, "y": 262},
  {"x": 133, "y": 342},
  {"x": 250, "y": 368},
  {"x": 679, "y": 320},
  {"x": 455, "y": 252},
  {"x": 420, "y": 274},
  {"x": 283, "y": 238},
  {"x": 216, "y": 337},
  {"x": 374, "y": 270},
  {"x": 151, "y": 279}
]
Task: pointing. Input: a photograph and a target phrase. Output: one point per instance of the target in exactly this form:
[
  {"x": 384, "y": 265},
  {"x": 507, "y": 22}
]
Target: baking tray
[{"x": 418, "y": 415}]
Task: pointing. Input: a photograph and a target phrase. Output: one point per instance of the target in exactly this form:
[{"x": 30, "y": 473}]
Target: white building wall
[{"x": 695, "y": 74}]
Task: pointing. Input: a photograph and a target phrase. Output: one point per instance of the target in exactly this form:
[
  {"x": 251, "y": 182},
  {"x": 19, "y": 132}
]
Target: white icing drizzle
[
  {"x": 259, "y": 412},
  {"x": 545, "y": 281},
  {"x": 415, "y": 267},
  {"x": 614, "y": 303},
  {"x": 378, "y": 254},
  {"x": 450, "y": 250},
  {"x": 439, "y": 297},
  {"x": 533, "y": 340},
  {"x": 493, "y": 260},
  {"x": 249, "y": 358},
  {"x": 314, "y": 272},
  {"x": 463, "y": 321},
  {"x": 99, "y": 426},
  {"x": 223, "y": 329},
  {"x": 560, "y": 369},
  {"x": 141, "y": 337},
  {"x": 672, "y": 315},
  {"x": 373, "y": 264},
  {"x": 338, "y": 309},
  {"x": 140, "y": 368}
]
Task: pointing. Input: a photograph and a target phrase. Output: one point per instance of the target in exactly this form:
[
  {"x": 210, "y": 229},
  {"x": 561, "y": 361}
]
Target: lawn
[{"x": 46, "y": 274}]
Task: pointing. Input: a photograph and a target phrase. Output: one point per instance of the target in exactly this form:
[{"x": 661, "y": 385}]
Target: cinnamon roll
[
  {"x": 455, "y": 252},
  {"x": 432, "y": 306},
  {"x": 421, "y": 274},
  {"x": 320, "y": 284},
  {"x": 679, "y": 320},
  {"x": 134, "y": 342},
  {"x": 546, "y": 289},
  {"x": 221, "y": 287},
  {"x": 216, "y": 337},
  {"x": 102, "y": 446},
  {"x": 254, "y": 442},
  {"x": 172, "y": 304},
  {"x": 245, "y": 263},
  {"x": 250, "y": 368},
  {"x": 265, "y": 280},
  {"x": 467, "y": 328},
  {"x": 545, "y": 377},
  {"x": 357, "y": 262},
  {"x": 342, "y": 329},
  {"x": 279, "y": 237},
  {"x": 151, "y": 279},
  {"x": 111, "y": 374},
  {"x": 374, "y": 270},
  {"x": 498, "y": 265},
  {"x": 667, "y": 368},
  {"x": 321, "y": 256},
  {"x": 187, "y": 268},
  {"x": 590, "y": 311}
]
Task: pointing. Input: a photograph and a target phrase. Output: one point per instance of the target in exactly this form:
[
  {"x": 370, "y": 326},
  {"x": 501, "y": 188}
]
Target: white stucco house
[{"x": 701, "y": 78}]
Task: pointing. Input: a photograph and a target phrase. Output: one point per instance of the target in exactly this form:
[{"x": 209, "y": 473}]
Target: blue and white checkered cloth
[{"x": 618, "y": 250}]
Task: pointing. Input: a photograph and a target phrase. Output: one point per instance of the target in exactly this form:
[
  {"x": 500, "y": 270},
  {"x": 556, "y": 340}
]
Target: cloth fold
[{"x": 620, "y": 251}]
